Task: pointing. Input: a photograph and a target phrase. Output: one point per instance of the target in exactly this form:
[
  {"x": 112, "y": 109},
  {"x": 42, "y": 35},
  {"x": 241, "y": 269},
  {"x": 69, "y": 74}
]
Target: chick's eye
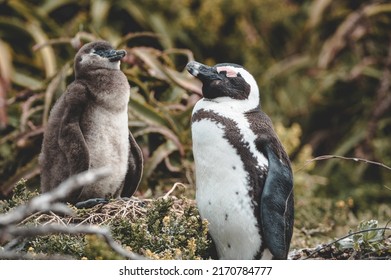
[{"x": 224, "y": 73}]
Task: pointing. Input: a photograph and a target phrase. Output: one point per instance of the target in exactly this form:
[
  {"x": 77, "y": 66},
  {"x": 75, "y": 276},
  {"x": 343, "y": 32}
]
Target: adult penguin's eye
[{"x": 228, "y": 72}]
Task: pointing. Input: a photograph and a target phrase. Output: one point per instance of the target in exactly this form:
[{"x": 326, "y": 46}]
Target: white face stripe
[
  {"x": 230, "y": 71},
  {"x": 253, "y": 100}
]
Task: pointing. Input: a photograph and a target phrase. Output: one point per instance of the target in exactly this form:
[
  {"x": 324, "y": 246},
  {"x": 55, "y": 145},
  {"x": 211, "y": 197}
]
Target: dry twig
[
  {"x": 48, "y": 201},
  {"x": 72, "y": 229},
  {"x": 12, "y": 230},
  {"x": 344, "y": 237},
  {"x": 325, "y": 157}
]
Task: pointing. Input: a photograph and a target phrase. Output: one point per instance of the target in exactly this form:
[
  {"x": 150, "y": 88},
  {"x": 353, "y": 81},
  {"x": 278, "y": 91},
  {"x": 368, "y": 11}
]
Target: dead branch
[
  {"x": 325, "y": 157},
  {"x": 48, "y": 201},
  {"x": 8, "y": 255},
  {"x": 32, "y": 231},
  {"x": 344, "y": 237}
]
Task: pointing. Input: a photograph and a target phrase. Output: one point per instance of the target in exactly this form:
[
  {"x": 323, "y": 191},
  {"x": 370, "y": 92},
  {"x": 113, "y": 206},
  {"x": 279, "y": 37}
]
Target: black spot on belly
[
  {"x": 234, "y": 167},
  {"x": 210, "y": 203},
  {"x": 226, "y": 217},
  {"x": 237, "y": 193},
  {"x": 229, "y": 245}
]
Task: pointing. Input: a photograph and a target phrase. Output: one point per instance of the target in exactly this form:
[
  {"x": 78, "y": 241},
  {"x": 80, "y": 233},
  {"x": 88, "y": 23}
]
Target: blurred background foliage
[{"x": 323, "y": 67}]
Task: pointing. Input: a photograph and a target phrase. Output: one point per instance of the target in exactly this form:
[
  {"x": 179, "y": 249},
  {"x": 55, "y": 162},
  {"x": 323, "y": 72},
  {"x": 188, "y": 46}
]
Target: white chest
[
  {"x": 222, "y": 189},
  {"x": 107, "y": 136}
]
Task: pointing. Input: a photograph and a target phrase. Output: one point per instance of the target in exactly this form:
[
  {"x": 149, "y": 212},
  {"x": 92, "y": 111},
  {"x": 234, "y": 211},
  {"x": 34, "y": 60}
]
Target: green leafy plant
[
  {"x": 20, "y": 196},
  {"x": 167, "y": 231},
  {"x": 368, "y": 238}
]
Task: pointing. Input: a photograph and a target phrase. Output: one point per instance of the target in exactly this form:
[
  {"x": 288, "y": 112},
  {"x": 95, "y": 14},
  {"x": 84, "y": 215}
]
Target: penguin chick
[
  {"x": 88, "y": 128},
  {"x": 244, "y": 182}
]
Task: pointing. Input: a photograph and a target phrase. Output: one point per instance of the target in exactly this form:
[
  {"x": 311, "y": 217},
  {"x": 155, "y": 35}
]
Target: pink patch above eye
[{"x": 230, "y": 72}]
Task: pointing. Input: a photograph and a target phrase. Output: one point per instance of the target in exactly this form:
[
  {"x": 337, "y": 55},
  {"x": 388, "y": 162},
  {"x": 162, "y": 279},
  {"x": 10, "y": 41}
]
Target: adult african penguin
[
  {"x": 88, "y": 128},
  {"x": 244, "y": 182}
]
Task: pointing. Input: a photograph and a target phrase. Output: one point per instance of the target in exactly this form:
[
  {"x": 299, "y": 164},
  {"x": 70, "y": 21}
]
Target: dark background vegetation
[{"x": 323, "y": 67}]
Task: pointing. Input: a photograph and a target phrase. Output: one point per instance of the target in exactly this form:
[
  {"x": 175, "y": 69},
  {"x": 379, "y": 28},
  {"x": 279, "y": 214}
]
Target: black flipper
[
  {"x": 71, "y": 138},
  {"x": 277, "y": 205},
  {"x": 135, "y": 168}
]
